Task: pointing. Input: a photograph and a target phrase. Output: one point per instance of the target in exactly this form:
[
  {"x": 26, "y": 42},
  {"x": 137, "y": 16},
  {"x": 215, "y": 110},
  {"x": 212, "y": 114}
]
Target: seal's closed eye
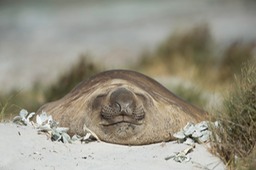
[{"x": 101, "y": 95}]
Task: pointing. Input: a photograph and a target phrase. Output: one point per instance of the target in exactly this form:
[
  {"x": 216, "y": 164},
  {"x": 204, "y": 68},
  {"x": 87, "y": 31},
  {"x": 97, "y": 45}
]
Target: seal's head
[
  {"x": 121, "y": 111},
  {"x": 123, "y": 107}
]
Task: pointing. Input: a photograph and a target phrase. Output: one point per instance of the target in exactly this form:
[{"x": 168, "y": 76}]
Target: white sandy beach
[{"x": 22, "y": 148}]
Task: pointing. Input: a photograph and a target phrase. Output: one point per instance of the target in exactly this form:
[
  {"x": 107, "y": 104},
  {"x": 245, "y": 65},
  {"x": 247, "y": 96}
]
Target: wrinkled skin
[{"x": 123, "y": 107}]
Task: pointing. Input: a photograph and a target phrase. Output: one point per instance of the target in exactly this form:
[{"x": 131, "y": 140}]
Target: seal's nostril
[
  {"x": 123, "y": 99},
  {"x": 117, "y": 106}
]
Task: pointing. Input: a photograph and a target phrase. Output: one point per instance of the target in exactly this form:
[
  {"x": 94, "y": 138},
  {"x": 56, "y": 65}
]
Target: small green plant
[{"x": 235, "y": 139}]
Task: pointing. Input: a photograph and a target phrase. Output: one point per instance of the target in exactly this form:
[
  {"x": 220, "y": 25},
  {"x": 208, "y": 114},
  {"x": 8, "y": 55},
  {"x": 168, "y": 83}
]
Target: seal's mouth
[
  {"x": 122, "y": 108},
  {"x": 121, "y": 120}
]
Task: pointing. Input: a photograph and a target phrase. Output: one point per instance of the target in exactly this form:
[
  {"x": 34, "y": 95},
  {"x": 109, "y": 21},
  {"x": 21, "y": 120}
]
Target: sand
[{"x": 22, "y": 148}]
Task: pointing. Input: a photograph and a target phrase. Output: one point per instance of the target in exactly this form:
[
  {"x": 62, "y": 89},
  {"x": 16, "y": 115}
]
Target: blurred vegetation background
[
  {"x": 189, "y": 47},
  {"x": 191, "y": 56}
]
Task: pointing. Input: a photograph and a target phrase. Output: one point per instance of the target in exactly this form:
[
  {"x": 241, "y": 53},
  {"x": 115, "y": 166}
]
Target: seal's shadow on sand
[{"x": 123, "y": 107}]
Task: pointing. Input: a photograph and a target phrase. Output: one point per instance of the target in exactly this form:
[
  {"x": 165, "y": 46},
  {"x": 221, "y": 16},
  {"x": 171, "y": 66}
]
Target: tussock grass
[
  {"x": 3, "y": 108},
  {"x": 181, "y": 53},
  {"x": 247, "y": 163},
  {"x": 235, "y": 140},
  {"x": 234, "y": 56},
  {"x": 6, "y": 106},
  {"x": 33, "y": 98},
  {"x": 191, "y": 95},
  {"x": 80, "y": 71},
  {"x": 195, "y": 56},
  {"x": 192, "y": 56},
  {"x": 192, "y": 46}
]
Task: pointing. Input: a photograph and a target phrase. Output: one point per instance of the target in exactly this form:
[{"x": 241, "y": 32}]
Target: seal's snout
[
  {"x": 123, "y": 100},
  {"x": 123, "y": 106}
]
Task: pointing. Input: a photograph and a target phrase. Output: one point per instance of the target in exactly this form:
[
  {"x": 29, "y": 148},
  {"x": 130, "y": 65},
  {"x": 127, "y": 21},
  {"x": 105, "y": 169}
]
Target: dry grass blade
[
  {"x": 236, "y": 137},
  {"x": 86, "y": 129}
]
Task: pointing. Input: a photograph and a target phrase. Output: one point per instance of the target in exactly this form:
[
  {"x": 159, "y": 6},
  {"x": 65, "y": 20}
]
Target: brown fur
[{"x": 164, "y": 112}]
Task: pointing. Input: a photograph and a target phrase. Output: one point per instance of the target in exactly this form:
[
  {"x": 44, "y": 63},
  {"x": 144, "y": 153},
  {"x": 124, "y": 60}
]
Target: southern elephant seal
[{"x": 123, "y": 107}]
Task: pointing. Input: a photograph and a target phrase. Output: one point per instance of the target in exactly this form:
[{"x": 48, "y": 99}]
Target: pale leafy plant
[
  {"x": 46, "y": 125},
  {"x": 192, "y": 133},
  {"x": 24, "y": 118}
]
